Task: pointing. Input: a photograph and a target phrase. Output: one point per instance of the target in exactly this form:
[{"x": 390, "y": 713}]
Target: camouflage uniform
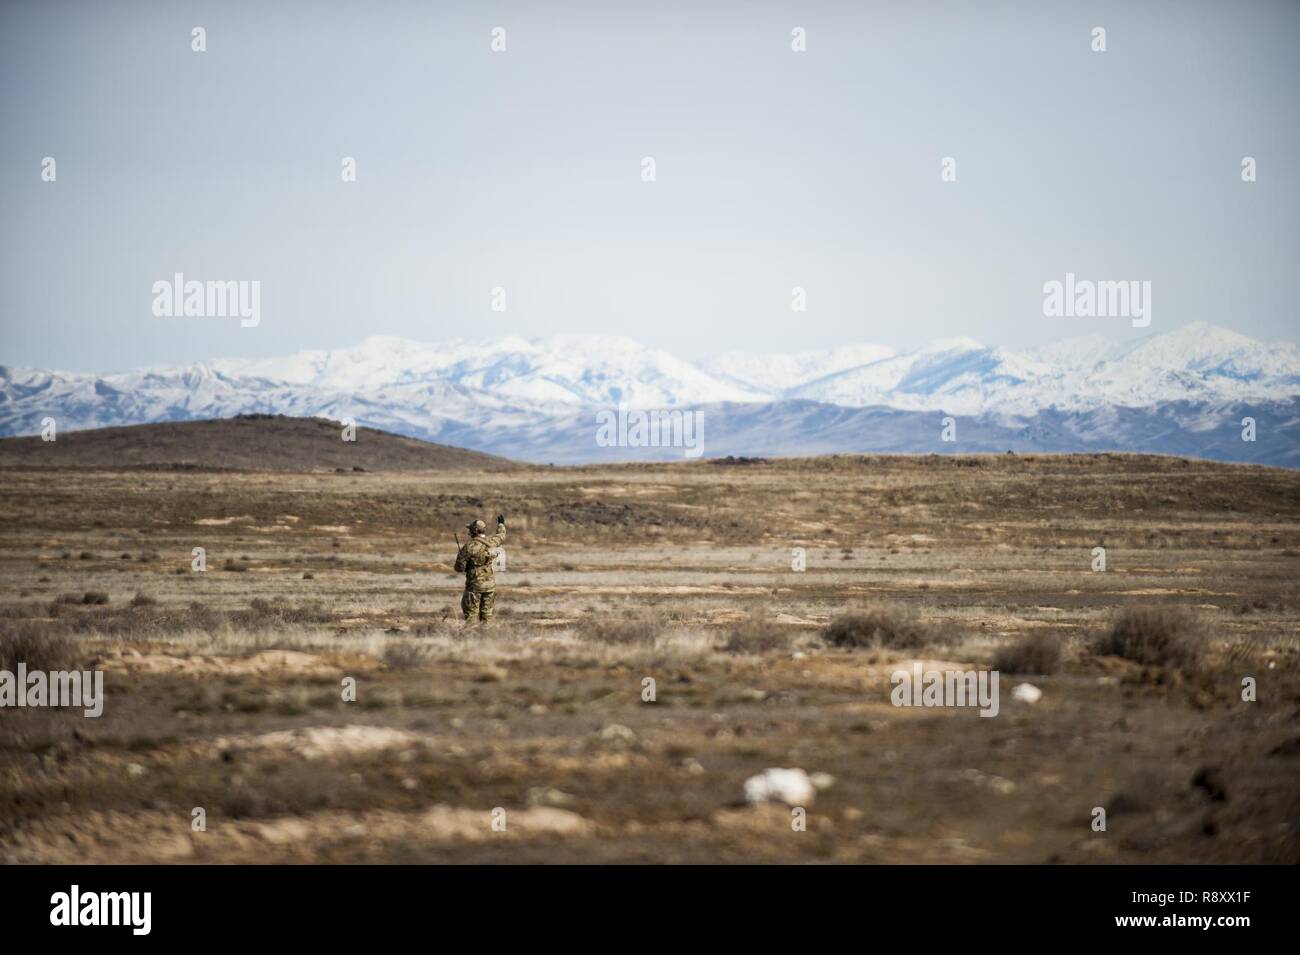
[{"x": 474, "y": 560}]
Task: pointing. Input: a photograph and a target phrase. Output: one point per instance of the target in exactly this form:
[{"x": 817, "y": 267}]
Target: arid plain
[{"x": 533, "y": 740}]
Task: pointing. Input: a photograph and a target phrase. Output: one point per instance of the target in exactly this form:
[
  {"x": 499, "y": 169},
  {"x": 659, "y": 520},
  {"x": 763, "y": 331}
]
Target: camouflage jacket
[{"x": 474, "y": 560}]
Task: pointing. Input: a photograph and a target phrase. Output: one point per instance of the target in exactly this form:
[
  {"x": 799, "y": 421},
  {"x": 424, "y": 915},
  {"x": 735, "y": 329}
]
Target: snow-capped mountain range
[{"x": 534, "y": 399}]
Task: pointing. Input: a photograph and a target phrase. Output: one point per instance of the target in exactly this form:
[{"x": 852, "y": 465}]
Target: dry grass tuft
[
  {"x": 262, "y": 612},
  {"x": 888, "y": 627},
  {"x": 35, "y": 645},
  {"x": 404, "y": 655},
  {"x": 1032, "y": 653},
  {"x": 757, "y": 634},
  {"x": 642, "y": 629},
  {"x": 143, "y": 618},
  {"x": 1155, "y": 636},
  {"x": 1243, "y": 652}
]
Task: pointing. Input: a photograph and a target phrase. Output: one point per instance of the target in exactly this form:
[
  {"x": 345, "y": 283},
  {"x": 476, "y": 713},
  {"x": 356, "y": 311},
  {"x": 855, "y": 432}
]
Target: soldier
[{"x": 474, "y": 560}]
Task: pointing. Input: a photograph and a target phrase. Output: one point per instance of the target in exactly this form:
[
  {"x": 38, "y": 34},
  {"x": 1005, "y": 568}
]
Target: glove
[{"x": 501, "y": 519}]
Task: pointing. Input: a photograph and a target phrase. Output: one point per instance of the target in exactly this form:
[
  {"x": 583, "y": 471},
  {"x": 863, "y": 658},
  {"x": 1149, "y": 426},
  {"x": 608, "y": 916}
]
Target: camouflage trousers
[{"x": 475, "y": 604}]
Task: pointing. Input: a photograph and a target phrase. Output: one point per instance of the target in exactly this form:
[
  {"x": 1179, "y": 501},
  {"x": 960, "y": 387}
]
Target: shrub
[
  {"x": 149, "y": 619},
  {"x": 94, "y": 597},
  {"x": 264, "y": 611},
  {"x": 239, "y": 802},
  {"x": 403, "y": 656},
  {"x": 1242, "y": 652},
  {"x": 1032, "y": 653},
  {"x": 756, "y": 634},
  {"x": 626, "y": 631},
  {"x": 882, "y": 627},
  {"x": 35, "y": 645},
  {"x": 56, "y": 606},
  {"x": 1155, "y": 636}
]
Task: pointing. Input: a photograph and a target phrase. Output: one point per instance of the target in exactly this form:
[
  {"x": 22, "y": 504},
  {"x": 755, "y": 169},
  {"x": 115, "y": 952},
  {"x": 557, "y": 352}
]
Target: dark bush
[
  {"x": 1155, "y": 636},
  {"x": 36, "y": 645},
  {"x": 404, "y": 656},
  {"x": 626, "y": 630},
  {"x": 1032, "y": 653},
  {"x": 882, "y": 627},
  {"x": 757, "y": 634}
]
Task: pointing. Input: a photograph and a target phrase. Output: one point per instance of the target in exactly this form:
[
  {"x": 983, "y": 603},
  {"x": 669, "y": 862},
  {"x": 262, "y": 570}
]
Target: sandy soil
[{"x": 531, "y": 740}]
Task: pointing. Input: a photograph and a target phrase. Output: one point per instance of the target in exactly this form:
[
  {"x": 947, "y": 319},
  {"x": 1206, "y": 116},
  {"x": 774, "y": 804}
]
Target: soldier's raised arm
[{"x": 499, "y": 537}]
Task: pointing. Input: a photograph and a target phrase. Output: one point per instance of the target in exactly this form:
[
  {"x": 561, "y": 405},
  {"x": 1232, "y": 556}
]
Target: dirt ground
[{"x": 531, "y": 740}]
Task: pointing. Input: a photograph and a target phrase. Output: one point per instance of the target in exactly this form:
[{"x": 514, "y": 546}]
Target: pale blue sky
[{"x": 522, "y": 170}]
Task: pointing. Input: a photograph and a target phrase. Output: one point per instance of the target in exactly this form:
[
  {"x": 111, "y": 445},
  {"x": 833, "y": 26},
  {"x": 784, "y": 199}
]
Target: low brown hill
[{"x": 244, "y": 443}]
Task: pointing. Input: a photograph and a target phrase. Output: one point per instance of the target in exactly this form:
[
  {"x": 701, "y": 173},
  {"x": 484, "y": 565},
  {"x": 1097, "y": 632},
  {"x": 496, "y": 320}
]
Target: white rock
[
  {"x": 1026, "y": 693},
  {"x": 548, "y": 796},
  {"x": 618, "y": 733},
  {"x": 790, "y": 786}
]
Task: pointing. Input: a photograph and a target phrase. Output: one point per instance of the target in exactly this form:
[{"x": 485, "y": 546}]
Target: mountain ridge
[
  {"x": 251, "y": 442},
  {"x": 485, "y": 394}
]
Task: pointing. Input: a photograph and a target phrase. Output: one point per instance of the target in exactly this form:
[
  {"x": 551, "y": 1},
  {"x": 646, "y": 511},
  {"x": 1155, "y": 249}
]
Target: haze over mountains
[{"x": 1181, "y": 392}]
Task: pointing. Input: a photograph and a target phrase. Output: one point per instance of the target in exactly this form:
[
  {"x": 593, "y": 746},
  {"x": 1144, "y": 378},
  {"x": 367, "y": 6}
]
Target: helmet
[{"x": 477, "y": 527}]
